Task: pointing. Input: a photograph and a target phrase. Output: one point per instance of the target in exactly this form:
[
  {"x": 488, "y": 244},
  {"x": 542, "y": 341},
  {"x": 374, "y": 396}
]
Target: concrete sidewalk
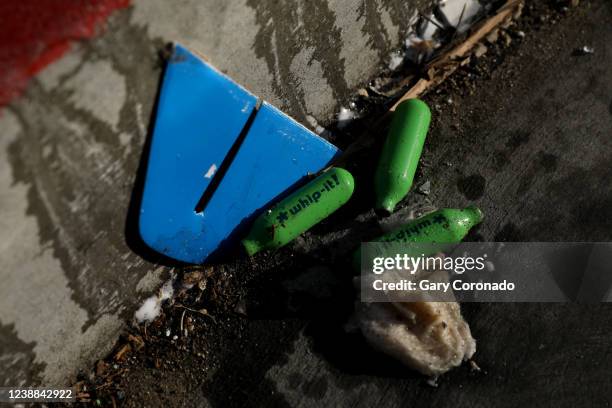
[{"x": 72, "y": 271}]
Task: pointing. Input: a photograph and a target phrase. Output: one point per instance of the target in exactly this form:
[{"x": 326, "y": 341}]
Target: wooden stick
[
  {"x": 439, "y": 68},
  {"x": 449, "y": 62}
]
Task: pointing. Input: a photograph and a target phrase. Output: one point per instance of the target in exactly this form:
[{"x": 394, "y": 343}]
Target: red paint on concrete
[{"x": 34, "y": 33}]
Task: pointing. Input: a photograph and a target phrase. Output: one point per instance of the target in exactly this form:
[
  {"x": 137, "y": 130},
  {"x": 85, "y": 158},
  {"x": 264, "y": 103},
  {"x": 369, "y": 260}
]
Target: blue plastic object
[{"x": 210, "y": 137}]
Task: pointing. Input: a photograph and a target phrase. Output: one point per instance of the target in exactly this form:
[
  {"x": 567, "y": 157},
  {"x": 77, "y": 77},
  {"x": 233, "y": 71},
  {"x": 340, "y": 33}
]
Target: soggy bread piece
[{"x": 430, "y": 337}]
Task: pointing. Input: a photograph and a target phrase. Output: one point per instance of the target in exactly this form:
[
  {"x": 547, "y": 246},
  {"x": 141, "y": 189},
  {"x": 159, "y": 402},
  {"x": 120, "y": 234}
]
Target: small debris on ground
[
  {"x": 585, "y": 50},
  {"x": 480, "y": 50},
  {"x": 101, "y": 367},
  {"x": 432, "y": 382},
  {"x": 493, "y": 36},
  {"x": 318, "y": 129},
  {"x": 151, "y": 307},
  {"x": 474, "y": 366},
  {"x": 425, "y": 188},
  {"x": 121, "y": 355},
  {"x": 136, "y": 341}
]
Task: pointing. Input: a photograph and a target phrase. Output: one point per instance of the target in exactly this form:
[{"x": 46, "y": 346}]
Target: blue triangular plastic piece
[{"x": 200, "y": 116}]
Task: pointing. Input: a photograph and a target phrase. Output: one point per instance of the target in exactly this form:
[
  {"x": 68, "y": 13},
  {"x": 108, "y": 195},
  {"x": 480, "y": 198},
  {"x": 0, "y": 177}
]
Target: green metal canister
[
  {"x": 447, "y": 225},
  {"x": 444, "y": 226},
  {"x": 401, "y": 153},
  {"x": 300, "y": 211}
]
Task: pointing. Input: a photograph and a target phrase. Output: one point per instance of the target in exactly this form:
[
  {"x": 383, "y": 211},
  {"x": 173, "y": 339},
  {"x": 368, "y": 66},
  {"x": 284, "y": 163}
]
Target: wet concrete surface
[
  {"x": 525, "y": 134},
  {"x": 73, "y": 270}
]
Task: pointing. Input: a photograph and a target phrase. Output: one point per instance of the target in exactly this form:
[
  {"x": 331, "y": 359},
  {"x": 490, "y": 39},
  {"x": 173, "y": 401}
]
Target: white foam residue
[
  {"x": 211, "y": 171},
  {"x": 151, "y": 308}
]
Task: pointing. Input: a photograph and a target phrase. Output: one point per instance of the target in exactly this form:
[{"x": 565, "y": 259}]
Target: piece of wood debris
[
  {"x": 441, "y": 67},
  {"x": 121, "y": 355},
  {"x": 436, "y": 72},
  {"x": 136, "y": 341},
  {"x": 101, "y": 368}
]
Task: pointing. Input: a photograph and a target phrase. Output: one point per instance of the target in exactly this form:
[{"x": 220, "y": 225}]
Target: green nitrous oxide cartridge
[
  {"x": 401, "y": 153},
  {"x": 300, "y": 211},
  {"x": 445, "y": 226}
]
